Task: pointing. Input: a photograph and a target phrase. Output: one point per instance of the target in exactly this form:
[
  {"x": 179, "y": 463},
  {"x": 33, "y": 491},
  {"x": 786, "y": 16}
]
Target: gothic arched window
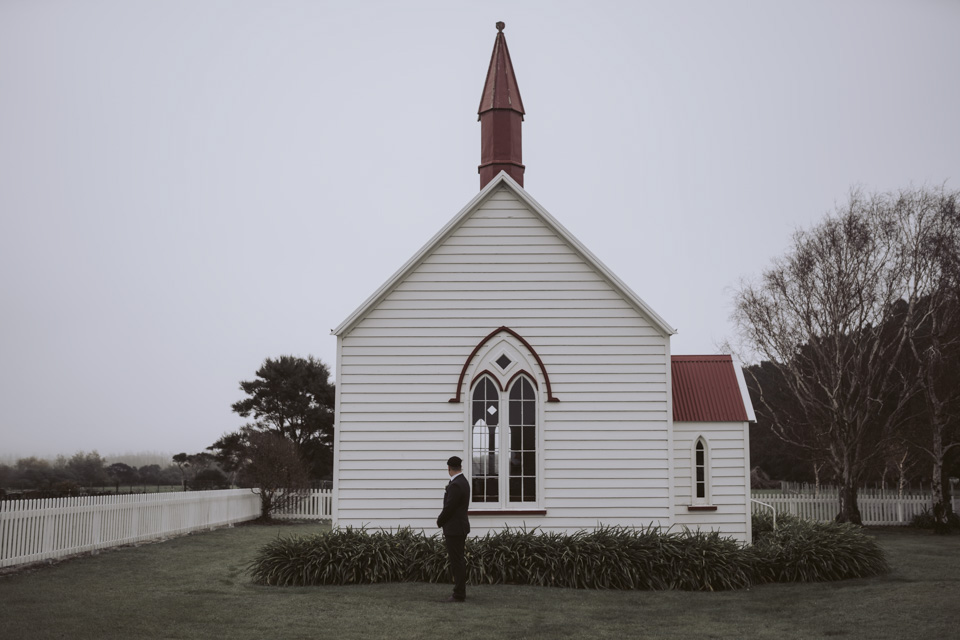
[{"x": 512, "y": 449}]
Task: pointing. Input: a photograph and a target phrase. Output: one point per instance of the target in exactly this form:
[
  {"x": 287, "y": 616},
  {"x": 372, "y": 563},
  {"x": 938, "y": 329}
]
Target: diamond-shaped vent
[{"x": 503, "y": 361}]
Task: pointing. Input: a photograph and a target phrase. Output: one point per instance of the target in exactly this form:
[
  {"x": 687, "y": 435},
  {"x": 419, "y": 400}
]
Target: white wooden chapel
[{"x": 506, "y": 342}]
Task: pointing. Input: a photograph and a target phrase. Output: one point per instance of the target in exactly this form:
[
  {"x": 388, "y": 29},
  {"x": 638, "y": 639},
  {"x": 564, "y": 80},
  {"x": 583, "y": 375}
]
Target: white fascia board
[
  {"x": 569, "y": 238},
  {"x": 744, "y": 391}
]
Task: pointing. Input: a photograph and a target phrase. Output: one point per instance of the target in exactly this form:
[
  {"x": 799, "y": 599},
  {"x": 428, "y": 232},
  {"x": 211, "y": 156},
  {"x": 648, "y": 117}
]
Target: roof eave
[{"x": 744, "y": 391}]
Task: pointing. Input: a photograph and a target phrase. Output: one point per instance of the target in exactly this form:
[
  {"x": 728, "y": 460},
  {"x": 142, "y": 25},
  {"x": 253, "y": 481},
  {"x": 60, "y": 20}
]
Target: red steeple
[{"x": 500, "y": 115}]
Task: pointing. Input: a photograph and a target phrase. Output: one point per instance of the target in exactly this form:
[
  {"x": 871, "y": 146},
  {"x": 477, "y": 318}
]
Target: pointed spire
[{"x": 500, "y": 114}]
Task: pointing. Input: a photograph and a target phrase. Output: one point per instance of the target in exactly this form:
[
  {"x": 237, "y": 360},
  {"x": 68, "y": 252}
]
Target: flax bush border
[{"x": 605, "y": 558}]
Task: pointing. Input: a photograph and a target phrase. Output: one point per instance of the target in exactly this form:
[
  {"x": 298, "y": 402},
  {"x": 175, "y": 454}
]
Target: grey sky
[{"x": 187, "y": 188}]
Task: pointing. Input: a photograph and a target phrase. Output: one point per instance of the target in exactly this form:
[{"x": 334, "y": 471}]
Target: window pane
[
  {"x": 492, "y": 412},
  {"x": 529, "y": 438},
  {"x": 529, "y": 412},
  {"x": 529, "y": 489},
  {"x": 493, "y": 490},
  {"x": 477, "y": 408},
  {"x": 515, "y": 437},
  {"x": 700, "y": 477},
  {"x": 515, "y": 413},
  {"x": 701, "y": 490},
  {"x": 516, "y": 488},
  {"x": 514, "y": 463},
  {"x": 529, "y": 463}
]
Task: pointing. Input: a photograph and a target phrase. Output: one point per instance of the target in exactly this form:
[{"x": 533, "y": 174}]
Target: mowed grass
[{"x": 197, "y": 587}]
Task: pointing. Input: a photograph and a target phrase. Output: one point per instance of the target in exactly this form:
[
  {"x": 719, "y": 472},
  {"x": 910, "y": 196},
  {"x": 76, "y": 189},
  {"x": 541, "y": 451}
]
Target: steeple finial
[{"x": 500, "y": 114}]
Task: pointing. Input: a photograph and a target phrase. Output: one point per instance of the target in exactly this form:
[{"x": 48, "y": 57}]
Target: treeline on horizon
[
  {"x": 133, "y": 458},
  {"x": 287, "y": 445},
  {"x": 87, "y": 473}
]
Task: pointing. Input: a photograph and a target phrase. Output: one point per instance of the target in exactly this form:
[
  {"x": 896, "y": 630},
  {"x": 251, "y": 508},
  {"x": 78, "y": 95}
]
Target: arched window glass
[
  {"x": 485, "y": 441},
  {"x": 504, "y": 461},
  {"x": 700, "y": 470},
  {"x": 523, "y": 441}
]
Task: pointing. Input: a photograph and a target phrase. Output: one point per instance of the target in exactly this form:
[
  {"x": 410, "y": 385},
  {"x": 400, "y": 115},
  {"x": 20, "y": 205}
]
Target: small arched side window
[{"x": 701, "y": 473}]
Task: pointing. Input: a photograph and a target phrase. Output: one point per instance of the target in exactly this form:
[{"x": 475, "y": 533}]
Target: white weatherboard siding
[
  {"x": 604, "y": 450},
  {"x": 727, "y": 471}
]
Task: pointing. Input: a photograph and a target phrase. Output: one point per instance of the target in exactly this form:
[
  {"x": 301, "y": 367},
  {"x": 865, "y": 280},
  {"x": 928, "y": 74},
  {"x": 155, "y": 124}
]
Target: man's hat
[{"x": 455, "y": 462}]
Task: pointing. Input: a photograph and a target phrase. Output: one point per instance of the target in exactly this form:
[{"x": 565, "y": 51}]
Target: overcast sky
[{"x": 189, "y": 187}]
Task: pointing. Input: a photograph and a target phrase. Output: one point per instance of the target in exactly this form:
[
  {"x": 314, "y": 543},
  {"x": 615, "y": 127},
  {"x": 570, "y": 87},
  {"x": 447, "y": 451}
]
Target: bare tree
[
  {"x": 928, "y": 221},
  {"x": 821, "y": 317}
]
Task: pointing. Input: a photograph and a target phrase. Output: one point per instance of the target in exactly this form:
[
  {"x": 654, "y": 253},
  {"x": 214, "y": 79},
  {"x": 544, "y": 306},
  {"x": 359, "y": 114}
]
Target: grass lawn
[{"x": 196, "y": 587}]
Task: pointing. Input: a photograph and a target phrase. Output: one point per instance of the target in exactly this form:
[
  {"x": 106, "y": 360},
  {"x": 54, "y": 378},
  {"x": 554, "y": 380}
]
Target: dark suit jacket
[{"x": 456, "y": 501}]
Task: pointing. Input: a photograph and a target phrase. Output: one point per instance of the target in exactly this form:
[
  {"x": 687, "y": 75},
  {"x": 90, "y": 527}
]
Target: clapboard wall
[
  {"x": 728, "y": 477},
  {"x": 605, "y": 448}
]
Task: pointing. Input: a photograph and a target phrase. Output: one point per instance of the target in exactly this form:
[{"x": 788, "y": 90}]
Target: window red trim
[
  {"x": 525, "y": 374},
  {"x": 489, "y": 374},
  {"x": 476, "y": 349}
]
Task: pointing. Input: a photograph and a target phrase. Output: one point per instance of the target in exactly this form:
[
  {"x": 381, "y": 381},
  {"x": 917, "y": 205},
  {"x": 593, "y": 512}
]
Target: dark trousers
[{"x": 458, "y": 565}]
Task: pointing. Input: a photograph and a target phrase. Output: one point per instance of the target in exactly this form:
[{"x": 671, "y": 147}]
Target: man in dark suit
[{"x": 456, "y": 526}]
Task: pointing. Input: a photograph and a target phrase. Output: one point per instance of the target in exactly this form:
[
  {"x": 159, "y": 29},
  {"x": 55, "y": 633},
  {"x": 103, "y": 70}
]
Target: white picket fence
[
  {"x": 36, "y": 530},
  {"x": 318, "y": 505},
  {"x": 875, "y": 508}
]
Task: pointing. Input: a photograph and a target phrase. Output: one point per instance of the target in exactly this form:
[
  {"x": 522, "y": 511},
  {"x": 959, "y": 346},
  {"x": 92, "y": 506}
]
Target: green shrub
[
  {"x": 927, "y": 520},
  {"x": 606, "y": 558},
  {"x": 762, "y": 524},
  {"x": 805, "y": 551},
  {"x": 350, "y": 556}
]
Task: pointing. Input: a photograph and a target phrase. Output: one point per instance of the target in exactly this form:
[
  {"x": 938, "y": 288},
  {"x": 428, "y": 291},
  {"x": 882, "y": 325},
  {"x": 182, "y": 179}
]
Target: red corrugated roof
[{"x": 705, "y": 389}]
